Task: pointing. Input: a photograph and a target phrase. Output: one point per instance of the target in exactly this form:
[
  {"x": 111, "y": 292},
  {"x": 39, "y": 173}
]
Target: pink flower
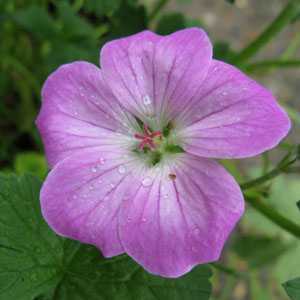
[{"x": 131, "y": 146}]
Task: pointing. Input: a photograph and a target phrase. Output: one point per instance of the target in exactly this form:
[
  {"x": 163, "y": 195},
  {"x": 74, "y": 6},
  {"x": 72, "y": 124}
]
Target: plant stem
[
  {"x": 288, "y": 13},
  {"x": 157, "y": 7},
  {"x": 292, "y": 47},
  {"x": 274, "y": 216},
  {"x": 269, "y": 64},
  {"x": 281, "y": 167}
]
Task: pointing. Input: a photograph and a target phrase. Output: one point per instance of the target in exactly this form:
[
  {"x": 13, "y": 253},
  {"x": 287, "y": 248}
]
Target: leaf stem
[
  {"x": 281, "y": 167},
  {"x": 269, "y": 64},
  {"x": 288, "y": 13},
  {"x": 274, "y": 216}
]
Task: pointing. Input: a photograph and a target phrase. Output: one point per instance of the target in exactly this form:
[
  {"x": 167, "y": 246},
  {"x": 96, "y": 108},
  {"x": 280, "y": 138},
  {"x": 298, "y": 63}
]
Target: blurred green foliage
[{"x": 37, "y": 36}]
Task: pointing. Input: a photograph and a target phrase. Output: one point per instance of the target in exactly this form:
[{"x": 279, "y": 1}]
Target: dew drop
[
  {"x": 224, "y": 93},
  {"x": 144, "y": 220},
  {"x": 112, "y": 185},
  {"x": 94, "y": 169},
  {"x": 166, "y": 196},
  {"x": 91, "y": 187},
  {"x": 146, "y": 100},
  {"x": 147, "y": 181},
  {"x": 122, "y": 169},
  {"x": 74, "y": 197},
  {"x": 101, "y": 161}
]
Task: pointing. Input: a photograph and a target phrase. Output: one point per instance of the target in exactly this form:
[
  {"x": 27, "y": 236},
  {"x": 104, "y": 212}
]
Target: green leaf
[
  {"x": 31, "y": 162},
  {"x": 298, "y": 204},
  {"x": 73, "y": 25},
  {"x": 292, "y": 288},
  {"x": 223, "y": 51},
  {"x": 128, "y": 19},
  {"x": 30, "y": 253},
  {"x": 121, "y": 278},
  {"x": 172, "y": 22},
  {"x": 230, "y": 1},
  {"x": 169, "y": 23},
  {"x": 37, "y": 21},
  {"x": 267, "y": 249},
  {"x": 103, "y": 7},
  {"x": 37, "y": 264}
]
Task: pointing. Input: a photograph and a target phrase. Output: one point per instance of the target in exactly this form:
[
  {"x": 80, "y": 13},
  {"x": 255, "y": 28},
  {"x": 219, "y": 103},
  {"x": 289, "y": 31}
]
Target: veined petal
[
  {"x": 78, "y": 111},
  {"x": 81, "y": 197},
  {"x": 181, "y": 218},
  {"x": 154, "y": 75},
  {"x": 232, "y": 116}
]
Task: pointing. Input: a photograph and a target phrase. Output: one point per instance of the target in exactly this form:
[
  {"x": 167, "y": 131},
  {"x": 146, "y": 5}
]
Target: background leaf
[
  {"x": 34, "y": 262},
  {"x": 292, "y": 288}
]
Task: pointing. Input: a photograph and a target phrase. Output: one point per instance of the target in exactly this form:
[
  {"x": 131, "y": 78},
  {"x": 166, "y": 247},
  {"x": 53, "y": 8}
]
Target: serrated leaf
[
  {"x": 37, "y": 264},
  {"x": 292, "y": 288},
  {"x": 30, "y": 252}
]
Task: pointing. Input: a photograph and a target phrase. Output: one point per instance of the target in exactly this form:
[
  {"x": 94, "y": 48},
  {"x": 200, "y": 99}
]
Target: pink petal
[
  {"x": 171, "y": 225},
  {"x": 155, "y": 75},
  {"x": 232, "y": 116},
  {"x": 81, "y": 196},
  {"x": 78, "y": 111}
]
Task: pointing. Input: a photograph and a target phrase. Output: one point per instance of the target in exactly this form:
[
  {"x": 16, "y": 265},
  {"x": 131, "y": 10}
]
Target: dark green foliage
[
  {"x": 267, "y": 249},
  {"x": 34, "y": 262},
  {"x": 292, "y": 287}
]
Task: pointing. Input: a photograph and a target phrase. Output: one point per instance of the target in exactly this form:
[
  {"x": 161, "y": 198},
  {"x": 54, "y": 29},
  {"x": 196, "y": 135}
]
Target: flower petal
[
  {"x": 170, "y": 224},
  {"x": 155, "y": 75},
  {"x": 81, "y": 197},
  {"x": 232, "y": 116},
  {"x": 78, "y": 111}
]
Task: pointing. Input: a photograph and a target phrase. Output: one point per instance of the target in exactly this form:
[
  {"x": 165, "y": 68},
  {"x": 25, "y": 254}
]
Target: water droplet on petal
[
  {"x": 94, "y": 169},
  {"x": 146, "y": 100},
  {"x": 122, "y": 169},
  {"x": 224, "y": 93},
  {"x": 91, "y": 187},
  {"x": 74, "y": 197},
  {"x": 144, "y": 220},
  {"x": 147, "y": 181},
  {"x": 101, "y": 161},
  {"x": 166, "y": 196}
]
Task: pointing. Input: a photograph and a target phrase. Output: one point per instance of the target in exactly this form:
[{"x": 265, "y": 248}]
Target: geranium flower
[{"x": 132, "y": 148}]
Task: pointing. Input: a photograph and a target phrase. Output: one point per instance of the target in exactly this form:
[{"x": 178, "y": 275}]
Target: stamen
[{"x": 147, "y": 138}]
